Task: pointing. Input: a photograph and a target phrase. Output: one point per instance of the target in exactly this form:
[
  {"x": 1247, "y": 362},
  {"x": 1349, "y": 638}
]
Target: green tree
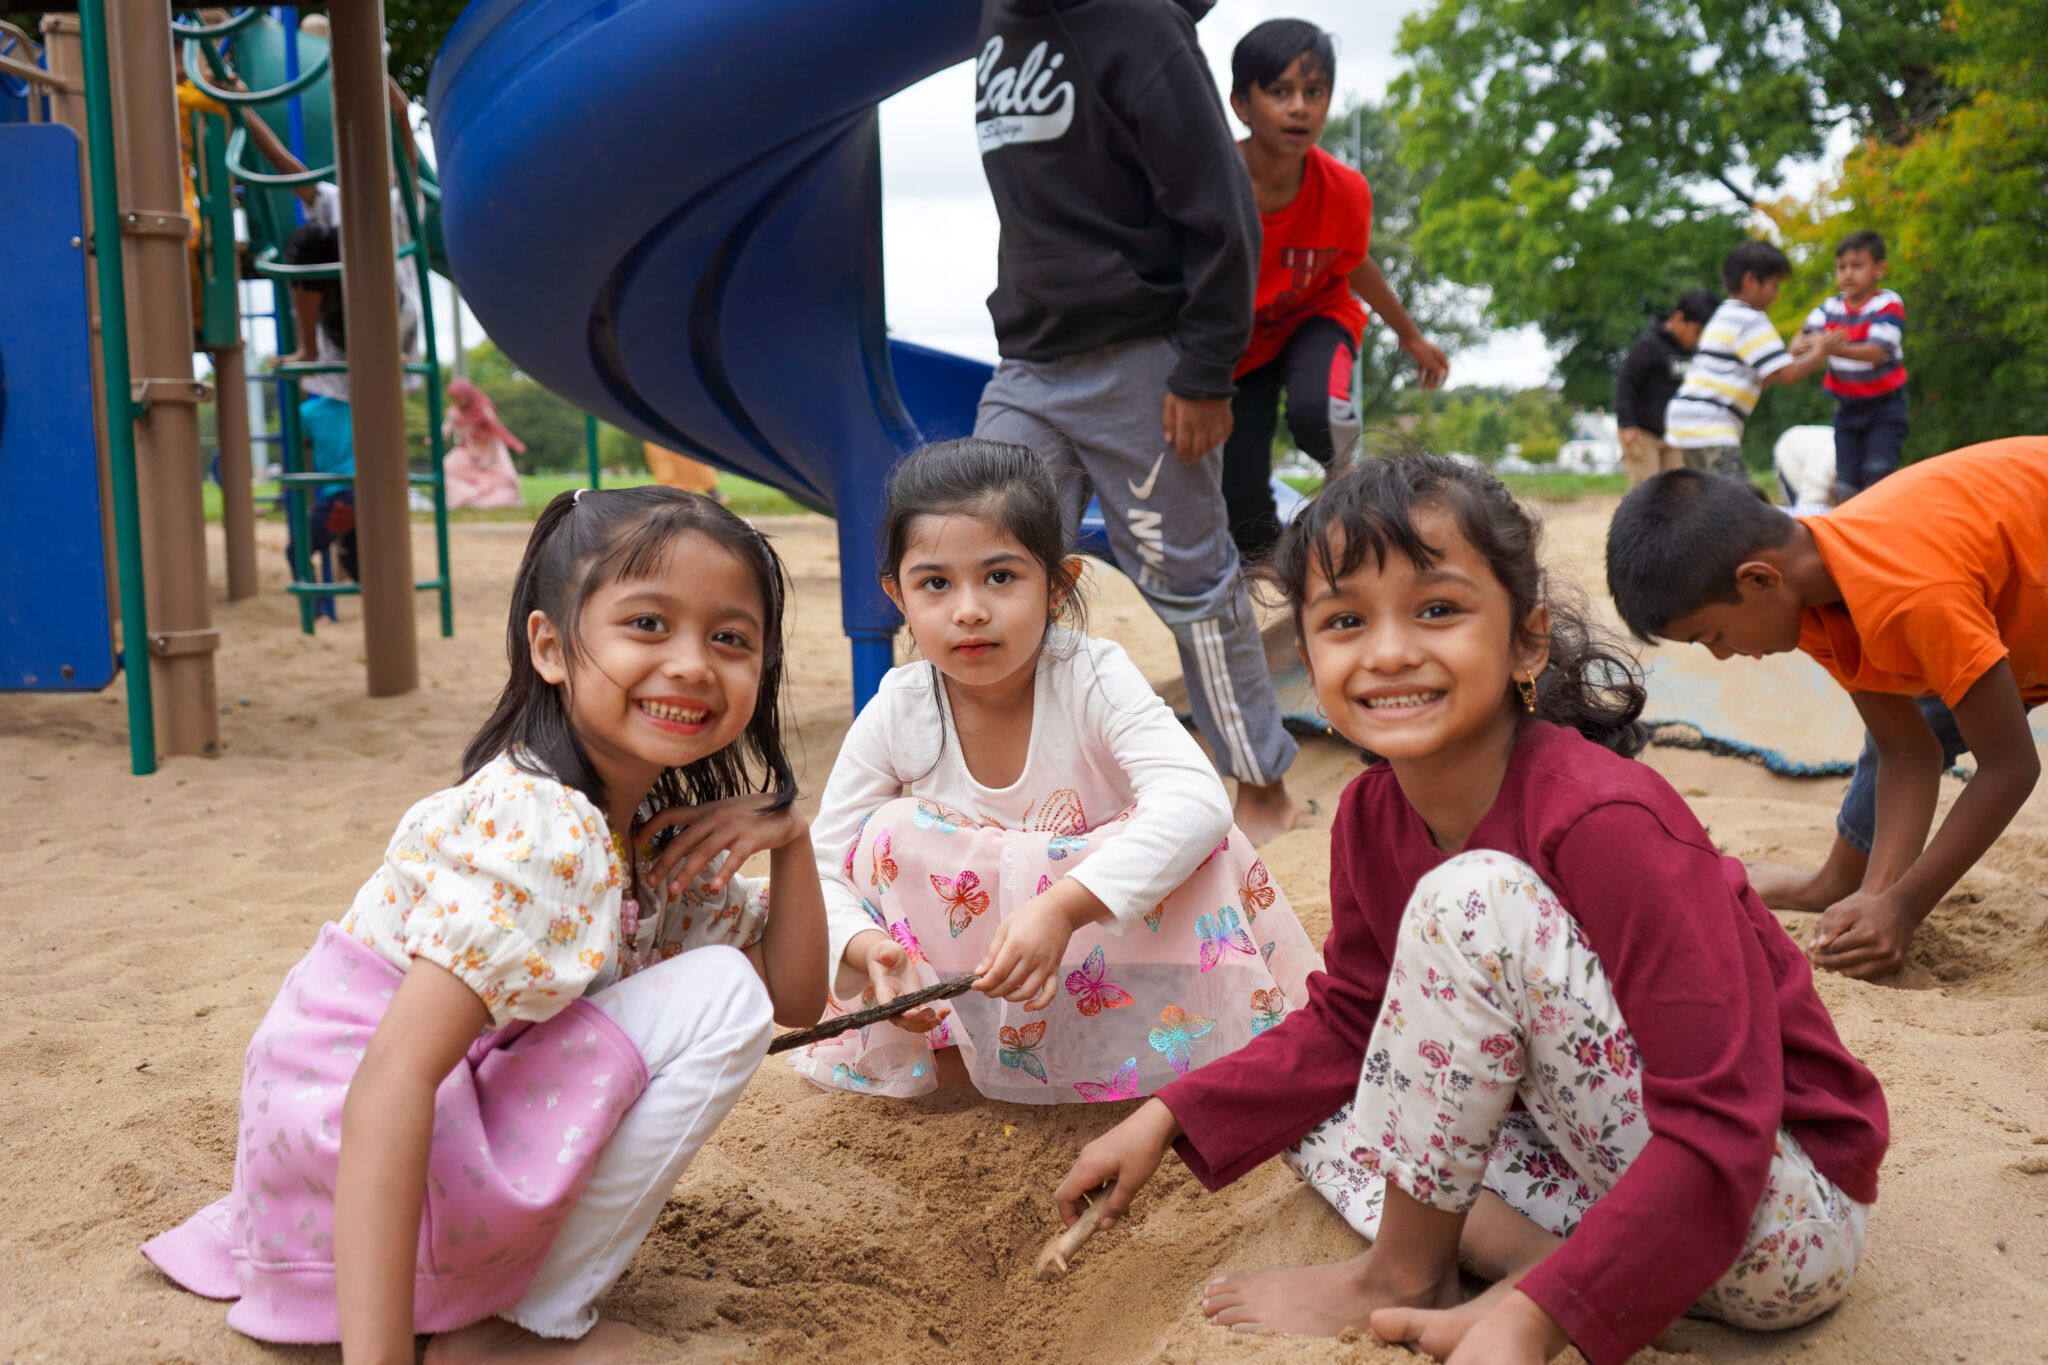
[
  {"x": 1594, "y": 158},
  {"x": 1963, "y": 206}
]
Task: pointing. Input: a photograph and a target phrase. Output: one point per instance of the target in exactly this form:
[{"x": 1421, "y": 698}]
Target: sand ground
[{"x": 150, "y": 921}]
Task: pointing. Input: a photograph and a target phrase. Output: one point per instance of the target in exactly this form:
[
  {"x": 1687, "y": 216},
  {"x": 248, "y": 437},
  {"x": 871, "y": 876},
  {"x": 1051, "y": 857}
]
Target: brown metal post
[
  {"x": 376, "y": 378},
  {"x": 237, "y": 499},
  {"x": 63, "y": 52},
  {"x": 182, "y": 637}
]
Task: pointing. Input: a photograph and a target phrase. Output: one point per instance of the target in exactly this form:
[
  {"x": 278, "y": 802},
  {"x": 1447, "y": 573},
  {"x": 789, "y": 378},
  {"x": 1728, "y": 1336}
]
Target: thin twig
[
  {"x": 832, "y": 1028},
  {"x": 1052, "y": 1262}
]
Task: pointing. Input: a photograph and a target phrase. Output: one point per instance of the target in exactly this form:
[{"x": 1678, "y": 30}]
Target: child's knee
[{"x": 1477, "y": 900}]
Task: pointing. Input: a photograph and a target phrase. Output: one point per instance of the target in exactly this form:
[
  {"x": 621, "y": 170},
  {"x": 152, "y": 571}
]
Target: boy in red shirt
[
  {"x": 1313, "y": 268},
  {"x": 1932, "y": 583}
]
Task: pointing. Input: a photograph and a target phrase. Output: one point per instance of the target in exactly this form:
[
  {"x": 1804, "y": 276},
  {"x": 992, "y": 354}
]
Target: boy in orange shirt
[{"x": 1931, "y": 584}]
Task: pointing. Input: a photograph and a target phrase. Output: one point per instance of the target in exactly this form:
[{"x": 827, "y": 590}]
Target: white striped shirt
[{"x": 1724, "y": 378}]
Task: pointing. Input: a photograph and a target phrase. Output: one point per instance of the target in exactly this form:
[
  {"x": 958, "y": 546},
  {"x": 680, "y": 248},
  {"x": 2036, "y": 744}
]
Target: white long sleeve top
[{"x": 1102, "y": 742}]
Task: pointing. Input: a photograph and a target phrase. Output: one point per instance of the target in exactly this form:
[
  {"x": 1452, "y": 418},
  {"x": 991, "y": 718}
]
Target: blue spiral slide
[{"x": 670, "y": 213}]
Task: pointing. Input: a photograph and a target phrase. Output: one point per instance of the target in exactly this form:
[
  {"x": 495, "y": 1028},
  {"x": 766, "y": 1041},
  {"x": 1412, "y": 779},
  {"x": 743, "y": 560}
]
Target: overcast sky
[{"x": 939, "y": 226}]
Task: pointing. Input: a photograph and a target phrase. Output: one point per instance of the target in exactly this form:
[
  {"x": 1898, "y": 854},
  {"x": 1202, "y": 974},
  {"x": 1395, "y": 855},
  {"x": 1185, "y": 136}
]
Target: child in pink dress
[
  {"x": 1022, "y": 805},
  {"x": 472, "y": 1097},
  {"x": 478, "y": 469}
]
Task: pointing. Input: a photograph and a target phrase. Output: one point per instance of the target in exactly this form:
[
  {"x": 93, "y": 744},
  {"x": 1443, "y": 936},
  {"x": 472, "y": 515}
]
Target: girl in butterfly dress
[
  {"x": 1559, "y": 1040},
  {"x": 473, "y": 1096},
  {"x": 1020, "y": 804}
]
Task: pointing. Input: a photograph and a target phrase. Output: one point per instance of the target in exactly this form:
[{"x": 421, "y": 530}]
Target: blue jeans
[
  {"x": 1869, "y": 433},
  {"x": 1857, "y": 820}
]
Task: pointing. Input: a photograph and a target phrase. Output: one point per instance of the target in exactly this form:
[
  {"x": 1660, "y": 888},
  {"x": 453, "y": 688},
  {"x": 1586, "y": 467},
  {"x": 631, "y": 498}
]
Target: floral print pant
[{"x": 1495, "y": 994}]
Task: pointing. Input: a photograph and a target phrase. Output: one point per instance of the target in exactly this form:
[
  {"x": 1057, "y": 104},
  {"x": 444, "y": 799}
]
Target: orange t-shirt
[
  {"x": 1309, "y": 250},
  {"x": 1943, "y": 568}
]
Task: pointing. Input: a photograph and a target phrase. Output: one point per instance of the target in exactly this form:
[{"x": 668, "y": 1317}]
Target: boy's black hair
[
  {"x": 1676, "y": 541},
  {"x": 1593, "y": 685},
  {"x": 1697, "y": 305},
  {"x": 1263, "y": 55},
  {"x": 1752, "y": 257},
  {"x": 318, "y": 244},
  {"x": 577, "y": 546},
  {"x": 1864, "y": 240}
]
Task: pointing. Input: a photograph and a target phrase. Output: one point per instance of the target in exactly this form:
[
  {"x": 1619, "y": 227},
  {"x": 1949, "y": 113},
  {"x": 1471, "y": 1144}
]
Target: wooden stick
[
  {"x": 1052, "y": 1262},
  {"x": 902, "y": 1004}
]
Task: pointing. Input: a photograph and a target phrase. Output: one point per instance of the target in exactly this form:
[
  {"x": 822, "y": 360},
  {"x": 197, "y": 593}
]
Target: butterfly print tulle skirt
[{"x": 1215, "y": 964}]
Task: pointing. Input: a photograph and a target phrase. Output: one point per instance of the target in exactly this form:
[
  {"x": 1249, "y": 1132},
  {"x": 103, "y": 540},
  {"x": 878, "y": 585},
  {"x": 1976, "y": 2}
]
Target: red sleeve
[
  {"x": 1694, "y": 986},
  {"x": 1243, "y": 1108}
]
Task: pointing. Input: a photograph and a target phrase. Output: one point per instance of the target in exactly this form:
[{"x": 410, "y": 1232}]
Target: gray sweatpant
[{"x": 1096, "y": 419}]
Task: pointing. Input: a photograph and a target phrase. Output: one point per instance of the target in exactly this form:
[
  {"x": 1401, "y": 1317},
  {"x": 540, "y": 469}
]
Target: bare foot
[
  {"x": 494, "y": 1339},
  {"x": 1264, "y": 813},
  {"x": 1792, "y": 888},
  {"x": 1437, "y": 1331},
  {"x": 1319, "y": 1300}
]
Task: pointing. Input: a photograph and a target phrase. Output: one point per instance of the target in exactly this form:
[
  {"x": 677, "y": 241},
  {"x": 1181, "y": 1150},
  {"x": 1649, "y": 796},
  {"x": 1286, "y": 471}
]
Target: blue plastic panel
[{"x": 54, "y": 631}]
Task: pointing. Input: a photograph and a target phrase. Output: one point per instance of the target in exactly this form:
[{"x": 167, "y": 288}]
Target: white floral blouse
[{"x": 512, "y": 882}]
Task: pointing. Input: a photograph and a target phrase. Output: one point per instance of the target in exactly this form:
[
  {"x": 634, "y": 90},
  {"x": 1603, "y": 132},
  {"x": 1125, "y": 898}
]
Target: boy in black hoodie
[{"x": 1130, "y": 251}]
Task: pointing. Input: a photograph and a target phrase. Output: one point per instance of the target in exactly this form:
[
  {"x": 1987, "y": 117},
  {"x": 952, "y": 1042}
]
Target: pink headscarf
[{"x": 473, "y": 409}]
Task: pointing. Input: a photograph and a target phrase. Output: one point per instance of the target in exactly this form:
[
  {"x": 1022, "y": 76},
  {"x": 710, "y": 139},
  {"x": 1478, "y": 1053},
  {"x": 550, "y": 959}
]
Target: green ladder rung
[
  {"x": 411, "y": 366},
  {"x": 355, "y": 589},
  {"x": 315, "y": 476}
]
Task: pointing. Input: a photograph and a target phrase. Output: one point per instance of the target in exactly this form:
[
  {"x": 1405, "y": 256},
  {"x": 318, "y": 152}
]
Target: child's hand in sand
[
  {"x": 739, "y": 826},
  {"x": 1128, "y": 1154},
  {"x": 887, "y": 967},
  {"x": 1023, "y": 963},
  {"x": 1863, "y": 936}
]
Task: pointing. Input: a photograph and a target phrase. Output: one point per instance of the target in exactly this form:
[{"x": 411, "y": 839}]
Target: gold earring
[{"x": 1528, "y": 690}]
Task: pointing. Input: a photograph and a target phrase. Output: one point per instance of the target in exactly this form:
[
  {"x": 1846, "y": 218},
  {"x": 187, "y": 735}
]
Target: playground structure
[
  {"x": 715, "y": 289},
  {"x": 113, "y": 498}
]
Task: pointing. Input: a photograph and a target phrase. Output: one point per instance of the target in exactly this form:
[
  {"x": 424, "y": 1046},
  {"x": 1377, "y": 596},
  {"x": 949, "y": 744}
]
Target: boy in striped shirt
[
  {"x": 1739, "y": 356},
  {"x": 1867, "y": 375}
]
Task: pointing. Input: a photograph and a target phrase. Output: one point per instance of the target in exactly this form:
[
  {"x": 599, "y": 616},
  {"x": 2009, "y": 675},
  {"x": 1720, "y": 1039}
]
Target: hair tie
[{"x": 577, "y": 496}]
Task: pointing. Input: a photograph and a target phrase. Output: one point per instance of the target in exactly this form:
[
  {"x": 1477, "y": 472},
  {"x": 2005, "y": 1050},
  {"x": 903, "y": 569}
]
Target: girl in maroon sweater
[{"x": 1558, "y": 1035}]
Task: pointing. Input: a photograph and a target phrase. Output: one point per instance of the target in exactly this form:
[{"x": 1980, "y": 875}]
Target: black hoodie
[{"x": 1126, "y": 209}]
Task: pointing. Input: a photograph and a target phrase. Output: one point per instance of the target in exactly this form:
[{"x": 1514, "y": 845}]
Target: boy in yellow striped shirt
[{"x": 1739, "y": 356}]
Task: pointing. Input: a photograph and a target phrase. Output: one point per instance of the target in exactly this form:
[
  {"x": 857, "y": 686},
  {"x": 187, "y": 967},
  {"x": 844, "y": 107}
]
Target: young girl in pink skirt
[
  {"x": 1021, "y": 805},
  {"x": 473, "y": 1096}
]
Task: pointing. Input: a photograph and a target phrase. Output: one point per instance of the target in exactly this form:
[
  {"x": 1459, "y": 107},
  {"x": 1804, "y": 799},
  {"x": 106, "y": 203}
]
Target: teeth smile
[
  {"x": 1412, "y": 699},
  {"x": 682, "y": 715}
]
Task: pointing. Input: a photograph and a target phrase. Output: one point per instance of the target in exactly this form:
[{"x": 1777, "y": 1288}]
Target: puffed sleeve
[{"x": 508, "y": 882}]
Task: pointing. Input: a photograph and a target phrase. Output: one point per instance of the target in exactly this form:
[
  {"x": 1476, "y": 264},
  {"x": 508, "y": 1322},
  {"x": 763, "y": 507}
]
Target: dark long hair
[
  {"x": 1008, "y": 485},
  {"x": 581, "y": 542},
  {"x": 1005, "y": 484},
  {"x": 1593, "y": 684}
]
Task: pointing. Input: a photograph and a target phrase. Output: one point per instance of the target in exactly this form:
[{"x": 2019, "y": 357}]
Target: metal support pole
[
  {"x": 237, "y": 498},
  {"x": 169, "y": 473},
  {"x": 590, "y": 450},
  {"x": 461, "y": 365},
  {"x": 376, "y": 379},
  {"x": 106, "y": 200}
]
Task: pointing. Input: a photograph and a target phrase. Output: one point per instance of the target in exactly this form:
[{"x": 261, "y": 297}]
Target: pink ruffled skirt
[{"x": 1215, "y": 964}]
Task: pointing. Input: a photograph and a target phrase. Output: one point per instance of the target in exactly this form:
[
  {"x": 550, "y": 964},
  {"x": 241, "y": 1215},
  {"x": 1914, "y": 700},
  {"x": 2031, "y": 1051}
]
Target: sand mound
[{"x": 151, "y": 920}]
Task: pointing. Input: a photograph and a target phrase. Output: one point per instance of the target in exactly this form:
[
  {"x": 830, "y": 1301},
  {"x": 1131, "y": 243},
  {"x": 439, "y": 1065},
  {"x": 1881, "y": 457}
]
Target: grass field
[{"x": 748, "y": 498}]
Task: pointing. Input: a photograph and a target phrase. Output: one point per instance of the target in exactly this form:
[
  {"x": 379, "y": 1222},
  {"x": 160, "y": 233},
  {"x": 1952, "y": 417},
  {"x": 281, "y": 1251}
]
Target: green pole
[
  {"x": 590, "y": 448},
  {"x": 106, "y": 221}
]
